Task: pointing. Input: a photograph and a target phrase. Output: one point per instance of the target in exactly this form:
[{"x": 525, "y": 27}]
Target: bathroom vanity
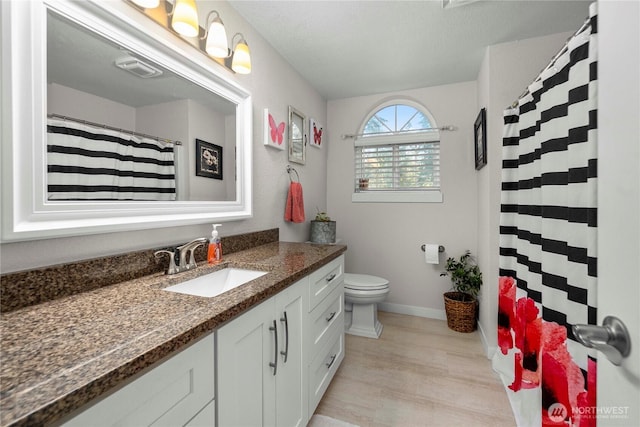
[{"x": 153, "y": 354}]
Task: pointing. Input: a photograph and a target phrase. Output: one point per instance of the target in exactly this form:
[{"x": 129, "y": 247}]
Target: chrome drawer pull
[
  {"x": 331, "y": 316},
  {"x": 333, "y": 359},
  {"x": 330, "y": 278}
]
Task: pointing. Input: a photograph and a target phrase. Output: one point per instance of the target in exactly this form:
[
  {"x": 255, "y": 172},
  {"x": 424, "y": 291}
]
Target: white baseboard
[
  {"x": 411, "y": 310},
  {"x": 489, "y": 351}
]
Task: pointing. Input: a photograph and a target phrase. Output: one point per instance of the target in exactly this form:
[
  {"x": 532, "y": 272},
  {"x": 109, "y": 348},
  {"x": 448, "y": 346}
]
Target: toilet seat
[{"x": 364, "y": 282}]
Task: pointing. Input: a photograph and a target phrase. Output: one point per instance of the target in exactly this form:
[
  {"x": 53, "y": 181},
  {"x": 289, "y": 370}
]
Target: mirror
[
  {"x": 297, "y": 136},
  {"x": 115, "y": 93},
  {"x": 165, "y": 90}
]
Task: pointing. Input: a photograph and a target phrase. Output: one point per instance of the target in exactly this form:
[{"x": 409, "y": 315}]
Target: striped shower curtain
[
  {"x": 548, "y": 241},
  {"x": 86, "y": 162}
]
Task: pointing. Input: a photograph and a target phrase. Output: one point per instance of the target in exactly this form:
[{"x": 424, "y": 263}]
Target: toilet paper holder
[{"x": 440, "y": 248}]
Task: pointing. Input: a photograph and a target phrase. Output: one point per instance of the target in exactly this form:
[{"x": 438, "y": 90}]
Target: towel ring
[{"x": 289, "y": 170}]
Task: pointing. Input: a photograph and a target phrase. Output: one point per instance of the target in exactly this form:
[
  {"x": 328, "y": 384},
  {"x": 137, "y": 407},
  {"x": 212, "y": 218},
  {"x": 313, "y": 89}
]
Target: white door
[{"x": 618, "y": 394}]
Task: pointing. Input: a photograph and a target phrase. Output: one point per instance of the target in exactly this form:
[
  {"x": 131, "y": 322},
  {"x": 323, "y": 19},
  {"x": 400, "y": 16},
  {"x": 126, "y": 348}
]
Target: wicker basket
[{"x": 461, "y": 315}]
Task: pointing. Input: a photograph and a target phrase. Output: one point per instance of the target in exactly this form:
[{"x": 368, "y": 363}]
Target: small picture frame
[
  {"x": 316, "y": 132},
  {"x": 480, "y": 139},
  {"x": 208, "y": 159}
]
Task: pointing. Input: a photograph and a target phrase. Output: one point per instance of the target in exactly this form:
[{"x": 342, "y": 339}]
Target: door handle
[{"x": 612, "y": 338}]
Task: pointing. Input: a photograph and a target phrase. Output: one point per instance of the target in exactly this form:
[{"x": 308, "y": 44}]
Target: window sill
[{"x": 433, "y": 196}]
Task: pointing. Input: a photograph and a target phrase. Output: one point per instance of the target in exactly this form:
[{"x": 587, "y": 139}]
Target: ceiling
[{"x": 353, "y": 48}]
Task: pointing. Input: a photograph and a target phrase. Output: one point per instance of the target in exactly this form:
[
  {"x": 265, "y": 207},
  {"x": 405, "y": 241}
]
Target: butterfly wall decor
[
  {"x": 316, "y": 132},
  {"x": 274, "y": 132}
]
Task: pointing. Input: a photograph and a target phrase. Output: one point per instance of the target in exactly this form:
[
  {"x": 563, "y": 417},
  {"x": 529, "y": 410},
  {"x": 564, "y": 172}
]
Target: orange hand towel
[{"x": 294, "y": 211}]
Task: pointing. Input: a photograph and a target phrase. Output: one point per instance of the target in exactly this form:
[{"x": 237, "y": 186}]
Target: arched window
[
  {"x": 395, "y": 119},
  {"x": 397, "y": 155}
]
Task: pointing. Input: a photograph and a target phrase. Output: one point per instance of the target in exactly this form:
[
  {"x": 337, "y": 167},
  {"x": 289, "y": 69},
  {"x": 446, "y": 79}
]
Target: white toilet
[{"x": 362, "y": 293}]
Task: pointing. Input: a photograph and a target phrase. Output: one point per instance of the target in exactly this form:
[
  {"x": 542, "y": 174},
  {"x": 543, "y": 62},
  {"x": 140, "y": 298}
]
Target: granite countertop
[{"x": 59, "y": 355}]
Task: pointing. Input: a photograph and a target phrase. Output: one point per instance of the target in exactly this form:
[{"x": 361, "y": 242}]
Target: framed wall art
[
  {"x": 273, "y": 131},
  {"x": 316, "y": 132},
  {"x": 208, "y": 159},
  {"x": 480, "y": 139}
]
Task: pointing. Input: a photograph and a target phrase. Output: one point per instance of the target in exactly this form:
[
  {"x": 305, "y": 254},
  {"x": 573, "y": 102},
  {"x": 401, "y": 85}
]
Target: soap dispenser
[{"x": 214, "y": 253}]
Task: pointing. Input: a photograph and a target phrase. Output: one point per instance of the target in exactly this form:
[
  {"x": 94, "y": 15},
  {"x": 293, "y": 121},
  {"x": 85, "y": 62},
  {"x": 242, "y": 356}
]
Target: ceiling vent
[{"x": 138, "y": 67}]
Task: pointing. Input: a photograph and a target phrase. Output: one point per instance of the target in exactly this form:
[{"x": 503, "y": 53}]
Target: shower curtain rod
[
  {"x": 100, "y": 125},
  {"x": 555, "y": 57},
  {"x": 357, "y": 135}
]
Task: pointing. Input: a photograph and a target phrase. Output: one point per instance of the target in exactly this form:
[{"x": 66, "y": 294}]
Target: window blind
[{"x": 399, "y": 167}]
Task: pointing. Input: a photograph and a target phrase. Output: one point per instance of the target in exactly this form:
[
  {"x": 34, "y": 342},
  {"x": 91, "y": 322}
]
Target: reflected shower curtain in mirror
[
  {"x": 548, "y": 241},
  {"x": 85, "y": 162}
]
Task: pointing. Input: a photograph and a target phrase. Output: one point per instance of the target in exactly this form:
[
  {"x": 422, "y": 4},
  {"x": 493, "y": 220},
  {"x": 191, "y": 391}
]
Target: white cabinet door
[
  {"x": 261, "y": 365},
  {"x": 246, "y": 382},
  {"x": 291, "y": 400}
]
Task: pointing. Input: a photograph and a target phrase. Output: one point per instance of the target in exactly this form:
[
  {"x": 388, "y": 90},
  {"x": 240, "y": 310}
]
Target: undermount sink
[{"x": 213, "y": 284}]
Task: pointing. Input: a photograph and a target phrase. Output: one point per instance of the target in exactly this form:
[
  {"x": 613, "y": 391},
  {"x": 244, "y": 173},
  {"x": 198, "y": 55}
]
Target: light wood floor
[{"x": 419, "y": 373}]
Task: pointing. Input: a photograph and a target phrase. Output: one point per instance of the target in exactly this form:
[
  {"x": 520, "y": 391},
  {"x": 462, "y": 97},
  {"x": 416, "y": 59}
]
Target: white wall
[
  {"x": 274, "y": 84},
  {"x": 170, "y": 120},
  {"x": 384, "y": 239},
  {"x": 74, "y": 103},
  {"x": 507, "y": 69},
  {"x": 209, "y": 127}
]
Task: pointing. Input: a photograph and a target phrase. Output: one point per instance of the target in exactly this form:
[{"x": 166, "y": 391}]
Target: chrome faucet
[{"x": 182, "y": 258}]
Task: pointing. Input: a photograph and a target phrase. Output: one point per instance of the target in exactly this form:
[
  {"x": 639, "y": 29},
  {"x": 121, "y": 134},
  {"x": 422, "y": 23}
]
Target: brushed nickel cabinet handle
[
  {"x": 274, "y": 364},
  {"x": 285, "y": 353},
  {"x": 333, "y": 359}
]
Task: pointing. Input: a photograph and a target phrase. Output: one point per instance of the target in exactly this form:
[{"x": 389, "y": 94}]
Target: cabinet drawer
[
  {"x": 326, "y": 319},
  {"x": 169, "y": 394},
  {"x": 323, "y": 368},
  {"x": 324, "y": 280}
]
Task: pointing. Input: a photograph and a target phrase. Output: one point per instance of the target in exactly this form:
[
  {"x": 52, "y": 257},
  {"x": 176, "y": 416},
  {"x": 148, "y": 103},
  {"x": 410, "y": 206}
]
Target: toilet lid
[{"x": 364, "y": 282}]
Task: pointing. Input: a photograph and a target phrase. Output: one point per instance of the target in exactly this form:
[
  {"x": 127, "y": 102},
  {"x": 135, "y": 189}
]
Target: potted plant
[
  {"x": 323, "y": 230},
  {"x": 461, "y": 304}
]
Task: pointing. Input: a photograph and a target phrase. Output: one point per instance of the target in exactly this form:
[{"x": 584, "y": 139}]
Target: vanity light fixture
[
  {"x": 184, "y": 19},
  {"x": 241, "y": 62},
  {"x": 147, "y": 4},
  {"x": 216, "y": 45}
]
